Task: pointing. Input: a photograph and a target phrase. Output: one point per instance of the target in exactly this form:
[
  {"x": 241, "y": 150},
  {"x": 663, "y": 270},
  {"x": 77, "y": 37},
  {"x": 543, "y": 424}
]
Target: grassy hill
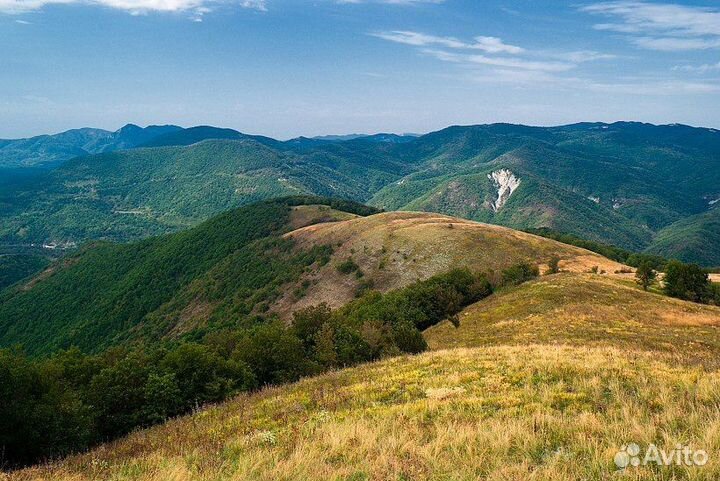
[
  {"x": 499, "y": 413},
  {"x": 627, "y": 184},
  {"x": 586, "y": 310},
  {"x": 391, "y": 250},
  {"x": 544, "y": 380}
]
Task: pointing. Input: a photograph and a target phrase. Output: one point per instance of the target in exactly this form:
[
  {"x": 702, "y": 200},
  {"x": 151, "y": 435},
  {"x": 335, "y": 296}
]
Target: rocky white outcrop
[{"x": 506, "y": 183}]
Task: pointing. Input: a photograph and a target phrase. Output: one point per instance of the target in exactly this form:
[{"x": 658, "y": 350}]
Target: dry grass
[
  {"x": 304, "y": 215},
  {"x": 395, "y": 249},
  {"x": 586, "y": 309},
  {"x": 498, "y": 413}
]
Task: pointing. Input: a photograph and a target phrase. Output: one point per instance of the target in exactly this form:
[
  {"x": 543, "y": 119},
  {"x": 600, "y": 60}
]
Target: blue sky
[{"x": 290, "y": 67}]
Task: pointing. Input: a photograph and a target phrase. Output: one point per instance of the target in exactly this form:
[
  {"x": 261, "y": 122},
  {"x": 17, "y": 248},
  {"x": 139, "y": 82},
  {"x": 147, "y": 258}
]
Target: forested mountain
[
  {"x": 105, "y": 293},
  {"x": 629, "y": 184},
  {"x": 51, "y": 150}
]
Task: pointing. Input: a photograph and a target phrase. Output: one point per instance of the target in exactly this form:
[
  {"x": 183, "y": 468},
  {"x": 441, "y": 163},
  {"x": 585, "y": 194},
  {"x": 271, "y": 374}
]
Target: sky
[{"x": 286, "y": 68}]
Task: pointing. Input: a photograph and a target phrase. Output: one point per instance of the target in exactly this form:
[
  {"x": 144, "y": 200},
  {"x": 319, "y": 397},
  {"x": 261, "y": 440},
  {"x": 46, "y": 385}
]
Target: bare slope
[{"x": 395, "y": 249}]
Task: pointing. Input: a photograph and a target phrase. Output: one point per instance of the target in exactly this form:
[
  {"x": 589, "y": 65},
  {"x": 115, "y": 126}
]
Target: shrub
[
  {"x": 554, "y": 265},
  {"x": 519, "y": 273},
  {"x": 348, "y": 266},
  {"x": 645, "y": 275}
]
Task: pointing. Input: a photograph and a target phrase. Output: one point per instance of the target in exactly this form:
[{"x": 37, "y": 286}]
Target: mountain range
[{"x": 644, "y": 187}]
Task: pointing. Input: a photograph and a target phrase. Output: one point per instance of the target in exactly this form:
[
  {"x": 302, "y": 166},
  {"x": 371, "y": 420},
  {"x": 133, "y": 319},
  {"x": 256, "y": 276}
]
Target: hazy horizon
[{"x": 345, "y": 134}]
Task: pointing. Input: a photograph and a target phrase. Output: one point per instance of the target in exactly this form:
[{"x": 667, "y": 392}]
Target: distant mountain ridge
[
  {"x": 51, "y": 150},
  {"x": 638, "y": 186}
]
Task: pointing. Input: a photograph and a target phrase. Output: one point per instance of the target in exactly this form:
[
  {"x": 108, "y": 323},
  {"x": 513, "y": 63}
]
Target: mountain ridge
[{"x": 621, "y": 183}]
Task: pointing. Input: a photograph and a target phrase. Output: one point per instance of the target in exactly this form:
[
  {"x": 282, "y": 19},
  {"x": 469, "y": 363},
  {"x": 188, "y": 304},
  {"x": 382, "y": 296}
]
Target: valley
[{"x": 603, "y": 182}]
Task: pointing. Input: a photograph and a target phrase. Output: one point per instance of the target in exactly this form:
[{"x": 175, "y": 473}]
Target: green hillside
[
  {"x": 696, "y": 238},
  {"x": 135, "y": 193},
  {"x": 627, "y": 184},
  {"x": 15, "y": 267},
  {"x": 109, "y": 293}
]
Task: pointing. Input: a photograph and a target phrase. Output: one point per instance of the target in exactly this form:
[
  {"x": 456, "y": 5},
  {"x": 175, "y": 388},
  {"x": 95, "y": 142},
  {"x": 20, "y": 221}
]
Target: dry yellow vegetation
[
  {"x": 586, "y": 309},
  {"x": 499, "y": 413},
  {"x": 394, "y": 249},
  {"x": 304, "y": 215}
]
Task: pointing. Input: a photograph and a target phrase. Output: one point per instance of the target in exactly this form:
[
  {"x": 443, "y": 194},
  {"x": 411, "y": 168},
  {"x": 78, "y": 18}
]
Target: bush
[
  {"x": 645, "y": 275},
  {"x": 348, "y": 266},
  {"x": 519, "y": 273},
  {"x": 715, "y": 289},
  {"x": 687, "y": 281},
  {"x": 554, "y": 265}
]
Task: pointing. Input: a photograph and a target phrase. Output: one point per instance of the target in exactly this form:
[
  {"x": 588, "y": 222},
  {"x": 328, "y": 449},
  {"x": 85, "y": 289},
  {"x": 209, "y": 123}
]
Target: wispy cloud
[
  {"x": 661, "y": 26},
  {"x": 417, "y": 39},
  {"x": 704, "y": 68},
  {"x": 643, "y": 86},
  {"x": 506, "y": 62},
  {"x": 393, "y": 2},
  {"x": 496, "y": 52},
  {"x": 135, "y": 7}
]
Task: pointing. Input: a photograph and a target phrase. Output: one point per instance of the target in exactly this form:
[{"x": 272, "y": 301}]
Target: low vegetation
[{"x": 587, "y": 310}]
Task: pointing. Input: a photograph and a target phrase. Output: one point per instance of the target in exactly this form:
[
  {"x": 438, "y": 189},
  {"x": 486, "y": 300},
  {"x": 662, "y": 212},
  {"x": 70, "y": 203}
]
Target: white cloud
[
  {"x": 495, "y": 45},
  {"x": 661, "y": 26},
  {"x": 580, "y": 56},
  {"x": 675, "y": 44},
  {"x": 698, "y": 68},
  {"x": 198, "y": 7},
  {"x": 417, "y": 39},
  {"x": 506, "y": 62},
  {"x": 452, "y": 49}
]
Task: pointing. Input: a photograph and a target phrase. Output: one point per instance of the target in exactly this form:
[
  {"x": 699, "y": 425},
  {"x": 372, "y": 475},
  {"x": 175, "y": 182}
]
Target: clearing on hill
[{"x": 391, "y": 250}]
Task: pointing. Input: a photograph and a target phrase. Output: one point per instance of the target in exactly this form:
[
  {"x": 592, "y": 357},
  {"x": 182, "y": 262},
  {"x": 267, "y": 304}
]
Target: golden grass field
[
  {"x": 584, "y": 310},
  {"x": 534, "y": 412}
]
